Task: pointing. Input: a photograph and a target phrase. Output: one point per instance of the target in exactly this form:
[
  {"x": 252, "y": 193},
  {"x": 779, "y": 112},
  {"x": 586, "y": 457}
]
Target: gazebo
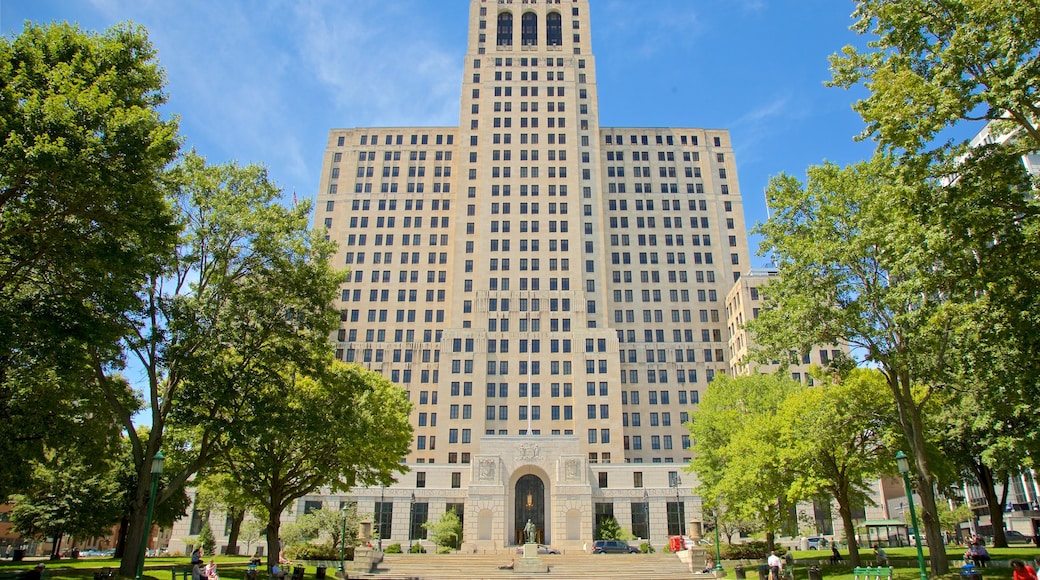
[{"x": 885, "y": 533}]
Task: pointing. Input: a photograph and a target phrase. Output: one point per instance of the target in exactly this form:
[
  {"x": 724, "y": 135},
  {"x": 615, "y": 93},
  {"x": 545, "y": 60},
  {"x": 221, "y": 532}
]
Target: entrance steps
[{"x": 581, "y": 566}]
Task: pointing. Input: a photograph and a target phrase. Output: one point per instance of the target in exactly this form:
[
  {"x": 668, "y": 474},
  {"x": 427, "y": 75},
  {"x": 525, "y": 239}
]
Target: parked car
[
  {"x": 817, "y": 542},
  {"x": 612, "y": 547},
  {"x": 542, "y": 549},
  {"x": 1016, "y": 537}
]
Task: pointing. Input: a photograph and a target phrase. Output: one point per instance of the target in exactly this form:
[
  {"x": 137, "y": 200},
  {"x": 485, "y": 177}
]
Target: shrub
[
  {"x": 756, "y": 550},
  {"x": 444, "y": 550},
  {"x": 417, "y": 549},
  {"x": 309, "y": 551},
  {"x": 646, "y": 548},
  {"x": 393, "y": 549}
]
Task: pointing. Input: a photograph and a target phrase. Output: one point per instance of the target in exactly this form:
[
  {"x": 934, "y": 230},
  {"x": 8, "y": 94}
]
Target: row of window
[
  {"x": 393, "y": 187},
  {"x": 612, "y": 139},
  {"x": 414, "y": 155},
  {"x": 646, "y": 187},
  {"x": 635, "y": 442}
]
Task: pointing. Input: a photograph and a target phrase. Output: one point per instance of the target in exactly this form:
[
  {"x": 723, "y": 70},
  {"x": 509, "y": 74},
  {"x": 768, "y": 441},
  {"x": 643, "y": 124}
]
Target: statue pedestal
[
  {"x": 531, "y": 562},
  {"x": 365, "y": 560}
]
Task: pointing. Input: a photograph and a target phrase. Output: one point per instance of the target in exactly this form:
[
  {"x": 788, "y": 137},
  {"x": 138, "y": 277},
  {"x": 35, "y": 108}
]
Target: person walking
[{"x": 776, "y": 566}]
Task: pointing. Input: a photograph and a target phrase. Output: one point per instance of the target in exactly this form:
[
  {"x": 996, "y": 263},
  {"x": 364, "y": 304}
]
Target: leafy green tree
[
  {"x": 82, "y": 217},
  {"x": 608, "y": 529},
  {"x": 251, "y": 533},
  {"x": 973, "y": 435},
  {"x": 933, "y": 63},
  {"x": 951, "y": 518},
  {"x": 332, "y": 523},
  {"x": 836, "y": 438},
  {"x": 206, "y": 540},
  {"x": 737, "y": 462},
  {"x": 248, "y": 288},
  {"x": 445, "y": 532},
  {"x": 858, "y": 264},
  {"x": 340, "y": 427},
  {"x": 217, "y": 491},
  {"x": 68, "y": 496}
]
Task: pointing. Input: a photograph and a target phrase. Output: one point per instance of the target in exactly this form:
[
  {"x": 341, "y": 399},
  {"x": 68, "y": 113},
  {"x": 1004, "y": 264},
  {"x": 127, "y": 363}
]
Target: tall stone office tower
[{"x": 549, "y": 291}]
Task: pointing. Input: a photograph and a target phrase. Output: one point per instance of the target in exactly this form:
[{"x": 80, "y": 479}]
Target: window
[
  {"x": 554, "y": 29},
  {"x": 505, "y": 29},
  {"x": 529, "y": 29},
  {"x": 420, "y": 513}
]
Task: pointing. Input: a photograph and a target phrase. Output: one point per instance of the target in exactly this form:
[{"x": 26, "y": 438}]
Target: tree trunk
[
  {"x": 913, "y": 428},
  {"x": 237, "y": 517},
  {"x": 56, "y": 547},
  {"x": 845, "y": 511},
  {"x": 274, "y": 523},
  {"x": 124, "y": 526},
  {"x": 135, "y": 533},
  {"x": 987, "y": 482},
  {"x": 770, "y": 540}
]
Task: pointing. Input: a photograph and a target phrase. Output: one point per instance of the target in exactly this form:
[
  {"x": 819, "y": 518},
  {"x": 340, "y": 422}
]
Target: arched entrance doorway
[{"x": 530, "y": 505}]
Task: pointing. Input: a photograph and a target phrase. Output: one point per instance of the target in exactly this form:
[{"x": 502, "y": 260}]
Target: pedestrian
[
  {"x": 776, "y": 565},
  {"x": 835, "y": 554}
]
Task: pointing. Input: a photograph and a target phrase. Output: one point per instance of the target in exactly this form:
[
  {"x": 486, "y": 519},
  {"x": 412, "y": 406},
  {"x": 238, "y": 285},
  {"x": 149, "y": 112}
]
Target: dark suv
[{"x": 612, "y": 547}]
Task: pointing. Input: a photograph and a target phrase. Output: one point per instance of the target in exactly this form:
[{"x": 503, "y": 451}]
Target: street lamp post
[
  {"x": 646, "y": 509},
  {"x": 381, "y": 508},
  {"x": 718, "y": 551},
  {"x": 411, "y": 521},
  {"x": 679, "y": 512},
  {"x": 903, "y": 464},
  {"x": 157, "y": 469},
  {"x": 343, "y": 539}
]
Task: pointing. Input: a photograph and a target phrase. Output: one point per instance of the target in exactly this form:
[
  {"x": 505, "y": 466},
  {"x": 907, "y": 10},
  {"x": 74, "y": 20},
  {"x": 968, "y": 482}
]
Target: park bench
[
  {"x": 872, "y": 573},
  {"x": 180, "y": 573}
]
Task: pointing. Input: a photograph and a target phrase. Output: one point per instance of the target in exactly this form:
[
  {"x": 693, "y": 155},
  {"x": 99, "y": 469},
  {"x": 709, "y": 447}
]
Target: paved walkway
[{"x": 566, "y": 566}]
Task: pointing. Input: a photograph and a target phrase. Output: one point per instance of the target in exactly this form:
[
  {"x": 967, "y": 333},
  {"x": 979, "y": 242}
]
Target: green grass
[
  {"x": 904, "y": 563},
  {"x": 229, "y": 567}
]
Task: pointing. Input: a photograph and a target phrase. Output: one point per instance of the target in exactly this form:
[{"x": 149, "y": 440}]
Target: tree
[
  {"x": 950, "y": 518},
  {"x": 337, "y": 428},
  {"x": 247, "y": 289},
  {"x": 835, "y": 438},
  {"x": 973, "y": 435},
  {"x": 67, "y": 497},
  {"x": 206, "y": 540},
  {"x": 735, "y": 429},
  {"x": 82, "y": 217},
  {"x": 251, "y": 533},
  {"x": 889, "y": 258},
  {"x": 217, "y": 491},
  {"x": 332, "y": 523},
  {"x": 934, "y": 63},
  {"x": 446, "y": 532},
  {"x": 608, "y": 529}
]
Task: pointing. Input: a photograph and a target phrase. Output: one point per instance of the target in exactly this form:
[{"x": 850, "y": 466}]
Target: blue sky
[{"x": 265, "y": 81}]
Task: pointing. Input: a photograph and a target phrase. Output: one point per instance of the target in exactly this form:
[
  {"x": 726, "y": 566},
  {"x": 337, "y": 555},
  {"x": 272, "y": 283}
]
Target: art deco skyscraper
[{"x": 531, "y": 274}]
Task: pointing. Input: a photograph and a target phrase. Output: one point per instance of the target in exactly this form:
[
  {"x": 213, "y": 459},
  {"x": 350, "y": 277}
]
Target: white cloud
[{"x": 372, "y": 79}]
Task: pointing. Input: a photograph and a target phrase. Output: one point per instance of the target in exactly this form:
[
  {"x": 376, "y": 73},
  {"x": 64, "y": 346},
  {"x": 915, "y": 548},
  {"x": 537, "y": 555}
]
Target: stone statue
[{"x": 529, "y": 532}]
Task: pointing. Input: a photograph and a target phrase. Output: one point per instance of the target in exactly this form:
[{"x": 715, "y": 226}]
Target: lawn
[
  {"x": 904, "y": 562},
  {"x": 230, "y": 567}
]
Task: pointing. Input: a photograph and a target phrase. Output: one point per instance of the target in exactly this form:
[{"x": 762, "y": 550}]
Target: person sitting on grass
[{"x": 880, "y": 557}]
